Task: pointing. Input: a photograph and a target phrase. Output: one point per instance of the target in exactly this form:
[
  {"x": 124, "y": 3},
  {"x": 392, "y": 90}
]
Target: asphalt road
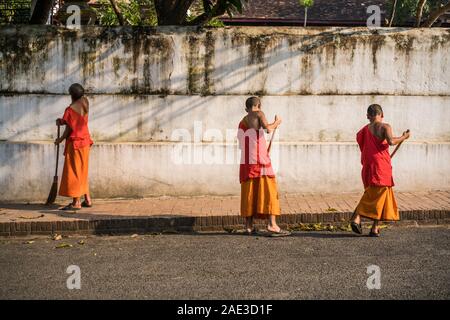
[{"x": 414, "y": 264}]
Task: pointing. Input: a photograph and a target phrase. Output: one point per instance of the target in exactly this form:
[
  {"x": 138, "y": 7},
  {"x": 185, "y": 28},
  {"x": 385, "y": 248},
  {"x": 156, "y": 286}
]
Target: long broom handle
[
  {"x": 57, "y": 153},
  {"x": 271, "y": 139},
  {"x": 398, "y": 146}
]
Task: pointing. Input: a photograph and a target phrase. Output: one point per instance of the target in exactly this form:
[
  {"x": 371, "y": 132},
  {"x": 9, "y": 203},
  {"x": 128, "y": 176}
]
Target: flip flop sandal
[
  {"x": 374, "y": 234},
  {"x": 69, "y": 207},
  {"x": 356, "y": 228},
  {"x": 86, "y": 205},
  {"x": 254, "y": 232},
  {"x": 281, "y": 233}
]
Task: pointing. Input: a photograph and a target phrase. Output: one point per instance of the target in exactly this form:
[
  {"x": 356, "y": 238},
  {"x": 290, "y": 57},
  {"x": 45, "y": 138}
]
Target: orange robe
[
  {"x": 259, "y": 194},
  {"x": 378, "y": 201},
  {"x": 74, "y": 180}
]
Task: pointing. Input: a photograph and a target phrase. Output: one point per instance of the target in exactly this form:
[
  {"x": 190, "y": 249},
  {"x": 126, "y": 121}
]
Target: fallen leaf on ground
[
  {"x": 31, "y": 217},
  {"x": 29, "y": 242},
  {"x": 81, "y": 242},
  {"x": 345, "y": 227},
  {"x": 331, "y": 209},
  {"x": 57, "y": 237},
  {"x": 134, "y": 235},
  {"x": 230, "y": 230},
  {"x": 63, "y": 245},
  {"x": 315, "y": 227}
]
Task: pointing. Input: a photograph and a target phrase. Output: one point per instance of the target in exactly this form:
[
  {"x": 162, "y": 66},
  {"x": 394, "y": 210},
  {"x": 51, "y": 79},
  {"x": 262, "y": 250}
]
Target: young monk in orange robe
[
  {"x": 259, "y": 195},
  {"x": 378, "y": 202},
  {"x": 74, "y": 180}
]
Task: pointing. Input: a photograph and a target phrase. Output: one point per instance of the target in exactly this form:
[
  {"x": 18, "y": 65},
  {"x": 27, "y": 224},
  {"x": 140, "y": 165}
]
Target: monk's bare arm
[
  {"x": 64, "y": 136},
  {"x": 391, "y": 140},
  {"x": 85, "y": 105},
  {"x": 269, "y": 127}
]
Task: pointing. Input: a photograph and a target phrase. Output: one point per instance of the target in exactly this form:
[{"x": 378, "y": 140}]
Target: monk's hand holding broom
[{"x": 405, "y": 135}]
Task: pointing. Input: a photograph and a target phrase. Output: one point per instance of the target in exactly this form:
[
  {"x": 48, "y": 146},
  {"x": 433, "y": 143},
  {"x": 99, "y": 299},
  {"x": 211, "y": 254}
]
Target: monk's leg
[
  {"x": 356, "y": 218},
  {"x": 375, "y": 226},
  {"x": 249, "y": 224},
  {"x": 87, "y": 198},
  {"x": 76, "y": 203},
  {"x": 273, "y": 226}
]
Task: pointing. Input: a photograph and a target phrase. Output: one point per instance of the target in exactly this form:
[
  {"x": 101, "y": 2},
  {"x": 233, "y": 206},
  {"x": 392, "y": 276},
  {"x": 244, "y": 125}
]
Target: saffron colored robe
[
  {"x": 74, "y": 180},
  {"x": 259, "y": 194},
  {"x": 378, "y": 201}
]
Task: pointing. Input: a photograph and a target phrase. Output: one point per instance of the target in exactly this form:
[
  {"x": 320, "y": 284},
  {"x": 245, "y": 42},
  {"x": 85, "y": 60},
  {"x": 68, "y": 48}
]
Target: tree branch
[
  {"x": 117, "y": 12},
  {"x": 419, "y": 11},
  {"x": 391, "y": 18},
  {"x": 217, "y": 10},
  {"x": 41, "y": 11},
  {"x": 435, "y": 15}
]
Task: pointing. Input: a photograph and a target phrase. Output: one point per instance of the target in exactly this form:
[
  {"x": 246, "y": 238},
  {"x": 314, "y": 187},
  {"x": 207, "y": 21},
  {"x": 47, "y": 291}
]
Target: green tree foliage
[
  {"x": 181, "y": 12},
  {"x": 406, "y": 10},
  {"x": 135, "y": 13},
  {"x": 14, "y": 11}
]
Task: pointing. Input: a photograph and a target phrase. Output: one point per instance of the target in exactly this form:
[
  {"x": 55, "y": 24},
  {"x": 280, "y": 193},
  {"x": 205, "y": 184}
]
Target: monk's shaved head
[
  {"x": 76, "y": 91},
  {"x": 252, "y": 101},
  {"x": 374, "y": 110}
]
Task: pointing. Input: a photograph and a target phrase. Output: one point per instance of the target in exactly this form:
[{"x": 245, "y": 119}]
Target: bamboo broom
[{"x": 54, "y": 189}]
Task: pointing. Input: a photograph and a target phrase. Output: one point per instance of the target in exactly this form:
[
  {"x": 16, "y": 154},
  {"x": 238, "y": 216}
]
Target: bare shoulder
[
  {"x": 386, "y": 126},
  {"x": 260, "y": 114}
]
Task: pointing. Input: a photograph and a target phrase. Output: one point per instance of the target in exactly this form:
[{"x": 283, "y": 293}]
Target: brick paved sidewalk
[{"x": 202, "y": 213}]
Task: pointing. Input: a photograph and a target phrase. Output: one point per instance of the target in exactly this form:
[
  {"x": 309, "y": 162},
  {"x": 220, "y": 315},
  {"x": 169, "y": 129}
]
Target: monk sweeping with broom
[
  {"x": 378, "y": 202},
  {"x": 74, "y": 180},
  {"x": 259, "y": 194}
]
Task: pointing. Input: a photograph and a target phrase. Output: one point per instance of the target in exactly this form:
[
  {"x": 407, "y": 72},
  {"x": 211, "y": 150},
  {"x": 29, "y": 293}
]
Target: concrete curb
[{"x": 111, "y": 226}]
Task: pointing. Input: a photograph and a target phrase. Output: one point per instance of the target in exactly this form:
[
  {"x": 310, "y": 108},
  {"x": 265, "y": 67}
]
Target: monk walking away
[
  {"x": 74, "y": 180},
  {"x": 259, "y": 194},
  {"x": 378, "y": 201}
]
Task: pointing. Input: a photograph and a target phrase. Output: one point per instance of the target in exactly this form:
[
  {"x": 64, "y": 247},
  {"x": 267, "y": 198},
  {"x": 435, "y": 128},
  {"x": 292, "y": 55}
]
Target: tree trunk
[
  {"x": 218, "y": 9},
  {"x": 117, "y": 12},
  {"x": 435, "y": 15},
  {"x": 391, "y": 18},
  {"x": 41, "y": 11},
  {"x": 419, "y": 11},
  {"x": 172, "y": 12},
  {"x": 306, "y": 16}
]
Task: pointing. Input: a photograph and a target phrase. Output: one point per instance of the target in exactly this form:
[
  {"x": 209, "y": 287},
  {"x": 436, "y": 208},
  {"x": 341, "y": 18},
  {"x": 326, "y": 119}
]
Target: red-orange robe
[
  {"x": 74, "y": 180},
  {"x": 259, "y": 194},
  {"x": 378, "y": 201}
]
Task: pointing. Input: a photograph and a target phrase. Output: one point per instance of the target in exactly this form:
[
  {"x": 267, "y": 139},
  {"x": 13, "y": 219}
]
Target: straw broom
[{"x": 54, "y": 189}]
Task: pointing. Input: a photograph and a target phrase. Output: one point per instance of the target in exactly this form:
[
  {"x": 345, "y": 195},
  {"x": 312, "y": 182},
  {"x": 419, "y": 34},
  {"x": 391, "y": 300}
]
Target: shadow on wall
[{"x": 140, "y": 61}]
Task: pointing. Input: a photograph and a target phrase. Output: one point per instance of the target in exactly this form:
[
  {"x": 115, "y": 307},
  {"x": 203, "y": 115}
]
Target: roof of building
[{"x": 330, "y": 11}]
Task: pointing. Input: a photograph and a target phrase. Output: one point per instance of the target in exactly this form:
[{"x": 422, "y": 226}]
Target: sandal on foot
[
  {"x": 374, "y": 234},
  {"x": 69, "y": 207},
  {"x": 86, "y": 205},
  {"x": 254, "y": 232},
  {"x": 281, "y": 233},
  {"x": 356, "y": 228}
]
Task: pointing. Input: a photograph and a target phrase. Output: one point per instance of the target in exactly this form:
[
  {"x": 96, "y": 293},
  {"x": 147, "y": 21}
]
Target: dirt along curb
[{"x": 161, "y": 224}]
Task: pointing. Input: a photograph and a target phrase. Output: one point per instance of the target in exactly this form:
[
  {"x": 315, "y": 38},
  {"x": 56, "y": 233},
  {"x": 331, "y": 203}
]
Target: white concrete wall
[
  {"x": 147, "y": 169},
  {"x": 310, "y": 118},
  {"x": 144, "y": 84}
]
